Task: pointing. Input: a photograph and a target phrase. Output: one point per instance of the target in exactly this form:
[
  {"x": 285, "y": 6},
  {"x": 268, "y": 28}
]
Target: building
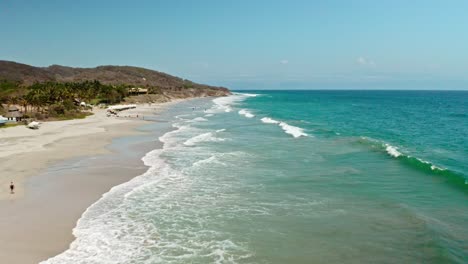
[
  {"x": 14, "y": 114},
  {"x": 137, "y": 90}
]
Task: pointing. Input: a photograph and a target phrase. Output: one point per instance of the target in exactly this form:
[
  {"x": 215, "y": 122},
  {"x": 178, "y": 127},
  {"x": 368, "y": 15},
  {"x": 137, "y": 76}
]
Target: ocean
[{"x": 293, "y": 177}]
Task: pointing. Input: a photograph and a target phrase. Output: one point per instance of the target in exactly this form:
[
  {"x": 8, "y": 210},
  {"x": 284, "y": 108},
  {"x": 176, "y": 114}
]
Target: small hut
[
  {"x": 138, "y": 90},
  {"x": 14, "y": 114}
]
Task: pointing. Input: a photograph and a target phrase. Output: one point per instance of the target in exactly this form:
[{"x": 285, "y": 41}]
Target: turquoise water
[{"x": 294, "y": 177}]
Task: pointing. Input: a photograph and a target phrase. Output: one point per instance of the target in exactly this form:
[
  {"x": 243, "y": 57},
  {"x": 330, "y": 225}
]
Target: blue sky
[{"x": 250, "y": 44}]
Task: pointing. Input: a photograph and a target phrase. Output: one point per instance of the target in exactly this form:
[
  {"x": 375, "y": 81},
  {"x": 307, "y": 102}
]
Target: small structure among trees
[
  {"x": 137, "y": 91},
  {"x": 14, "y": 114}
]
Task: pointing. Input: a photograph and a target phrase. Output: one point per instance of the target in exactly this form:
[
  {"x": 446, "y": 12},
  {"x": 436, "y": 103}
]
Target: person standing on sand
[{"x": 12, "y": 188}]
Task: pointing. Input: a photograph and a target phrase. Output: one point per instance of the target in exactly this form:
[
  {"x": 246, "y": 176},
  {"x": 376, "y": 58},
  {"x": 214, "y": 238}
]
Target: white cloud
[
  {"x": 284, "y": 62},
  {"x": 365, "y": 61}
]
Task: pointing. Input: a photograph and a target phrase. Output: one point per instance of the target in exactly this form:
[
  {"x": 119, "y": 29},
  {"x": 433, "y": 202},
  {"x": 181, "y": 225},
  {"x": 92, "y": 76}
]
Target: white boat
[{"x": 3, "y": 120}]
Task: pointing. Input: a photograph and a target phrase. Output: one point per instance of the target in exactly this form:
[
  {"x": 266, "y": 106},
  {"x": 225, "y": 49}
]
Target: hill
[
  {"x": 110, "y": 75},
  {"x": 59, "y": 92}
]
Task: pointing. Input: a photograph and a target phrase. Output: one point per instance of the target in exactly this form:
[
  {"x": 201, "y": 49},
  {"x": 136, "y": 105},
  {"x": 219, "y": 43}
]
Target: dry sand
[{"x": 36, "y": 222}]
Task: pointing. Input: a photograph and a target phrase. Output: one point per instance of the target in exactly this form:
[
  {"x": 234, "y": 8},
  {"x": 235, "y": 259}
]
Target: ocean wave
[
  {"x": 210, "y": 160},
  {"x": 392, "y": 151},
  {"x": 222, "y": 159},
  {"x": 246, "y": 94},
  {"x": 180, "y": 116},
  {"x": 205, "y": 137},
  {"x": 168, "y": 139},
  {"x": 246, "y": 113},
  {"x": 268, "y": 120},
  {"x": 197, "y": 119},
  {"x": 224, "y": 104},
  {"x": 293, "y": 130},
  {"x": 452, "y": 177},
  {"x": 288, "y": 129}
]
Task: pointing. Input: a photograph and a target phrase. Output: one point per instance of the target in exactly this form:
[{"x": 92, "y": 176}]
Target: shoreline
[
  {"x": 58, "y": 140},
  {"x": 70, "y": 165}
]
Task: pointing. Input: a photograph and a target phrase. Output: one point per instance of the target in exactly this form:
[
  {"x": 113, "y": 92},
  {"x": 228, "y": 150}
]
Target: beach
[{"x": 58, "y": 171}]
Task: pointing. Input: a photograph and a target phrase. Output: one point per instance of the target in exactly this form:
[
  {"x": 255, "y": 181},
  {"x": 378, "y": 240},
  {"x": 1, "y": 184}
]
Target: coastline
[{"x": 61, "y": 169}]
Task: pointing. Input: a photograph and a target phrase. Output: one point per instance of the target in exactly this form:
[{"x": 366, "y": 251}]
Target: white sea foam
[
  {"x": 180, "y": 116},
  {"x": 224, "y": 104},
  {"x": 198, "y": 119},
  {"x": 246, "y": 113},
  {"x": 392, "y": 151},
  {"x": 433, "y": 167},
  {"x": 292, "y": 130},
  {"x": 212, "y": 159},
  {"x": 168, "y": 138},
  {"x": 268, "y": 120},
  {"x": 248, "y": 94},
  {"x": 205, "y": 137},
  {"x": 222, "y": 158}
]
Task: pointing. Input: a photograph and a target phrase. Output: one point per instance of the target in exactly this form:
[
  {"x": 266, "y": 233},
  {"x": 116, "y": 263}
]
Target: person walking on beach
[{"x": 12, "y": 188}]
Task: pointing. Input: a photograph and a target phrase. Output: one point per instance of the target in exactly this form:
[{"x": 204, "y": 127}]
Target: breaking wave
[
  {"x": 268, "y": 120},
  {"x": 452, "y": 177},
  {"x": 246, "y": 113},
  {"x": 224, "y": 104},
  {"x": 205, "y": 137},
  {"x": 288, "y": 129}
]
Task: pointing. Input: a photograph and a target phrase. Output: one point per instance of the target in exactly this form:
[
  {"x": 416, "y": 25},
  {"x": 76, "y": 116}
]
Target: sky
[{"x": 255, "y": 44}]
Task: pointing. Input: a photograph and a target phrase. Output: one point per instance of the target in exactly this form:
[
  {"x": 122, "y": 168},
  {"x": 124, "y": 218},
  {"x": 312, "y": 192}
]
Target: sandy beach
[{"x": 36, "y": 221}]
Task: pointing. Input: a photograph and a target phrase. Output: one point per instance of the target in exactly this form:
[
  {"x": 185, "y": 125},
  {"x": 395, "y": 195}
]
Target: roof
[
  {"x": 138, "y": 89},
  {"x": 14, "y": 114},
  {"x": 12, "y": 108},
  {"x": 121, "y": 107}
]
